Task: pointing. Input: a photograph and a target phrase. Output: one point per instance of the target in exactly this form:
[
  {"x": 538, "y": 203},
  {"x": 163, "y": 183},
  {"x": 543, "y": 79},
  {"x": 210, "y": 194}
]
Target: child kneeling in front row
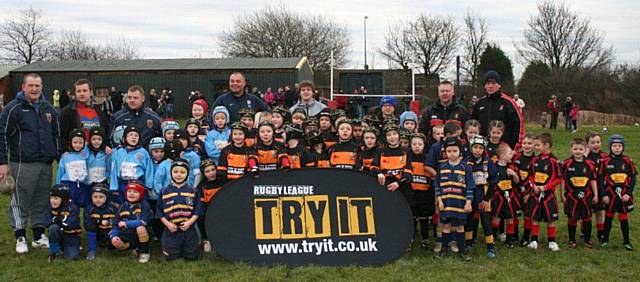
[
  {"x": 63, "y": 221},
  {"x": 179, "y": 208},
  {"x": 130, "y": 225}
]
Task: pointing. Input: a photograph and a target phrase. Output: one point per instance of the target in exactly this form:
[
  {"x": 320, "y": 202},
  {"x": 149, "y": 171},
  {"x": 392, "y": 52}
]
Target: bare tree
[
  {"x": 474, "y": 42},
  {"x": 396, "y": 46},
  {"x": 428, "y": 41},
  {"x": 277, "y": 32},
  {"x": 74, "y": 45},
  {"x": 561, "y": 39},
  {"x": 25, "y": 38}
]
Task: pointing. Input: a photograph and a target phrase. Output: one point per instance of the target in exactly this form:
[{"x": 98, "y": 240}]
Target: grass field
[{"x": 520, "y": 264}]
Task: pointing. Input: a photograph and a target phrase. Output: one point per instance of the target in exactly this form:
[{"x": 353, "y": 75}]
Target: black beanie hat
[{"x": 492, "y": 75}]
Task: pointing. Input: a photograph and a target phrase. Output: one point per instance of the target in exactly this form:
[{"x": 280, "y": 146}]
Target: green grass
[{"x": 613, "y": 263}]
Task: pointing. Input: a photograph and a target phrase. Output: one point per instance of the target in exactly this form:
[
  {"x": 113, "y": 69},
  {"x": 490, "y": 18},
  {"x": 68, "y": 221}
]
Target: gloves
[{"x": 254, "y": 172}]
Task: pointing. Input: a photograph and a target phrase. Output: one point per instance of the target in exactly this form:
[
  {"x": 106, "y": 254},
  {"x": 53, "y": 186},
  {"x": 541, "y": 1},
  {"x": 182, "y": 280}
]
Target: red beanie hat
[
  {"x": 202, "y": 103},
  {"x": 135, "y": 186}
]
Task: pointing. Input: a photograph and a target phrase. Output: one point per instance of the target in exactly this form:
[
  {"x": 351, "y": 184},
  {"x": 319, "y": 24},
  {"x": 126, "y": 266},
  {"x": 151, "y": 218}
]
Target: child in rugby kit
[
  {"x": 409, "y": 121},
  {"x": 129, "y": 229},
  {"x": 317, "y": 151},
  {"x": 392, "y": 165},
  {"x": 162, "y": 173},
  {"x": 280, "y": 118},
  {"x": 192, "y": 126},
  {"x": 471, "y": 129},
  {"x": 169, "y": 127},
  {"x": 505, "y": 205},
  {"x": 329, "y": 132},
  {"x": 298, "y": 155},
  {"x": 63, "y": 221},
  {"x": 369, "y": 148},
  {"x": 423, "y": 192},
  {"x": 234, "y": 158},
  {"x": 522, "y": 163},
  {"x": 618, "y": 177},
  {"x": 298, "y": 116},
  {"x": 454, "y": 187},
  {"x": 484, "y": 172},
  {"x": 358, "y": 130},
  {"x": 345, "y": 153},
  {"x": 496, "y": 130},
  {"x": 597, "y": 156},
  {"x": 72, "y": 169},
  {"x": 247, "y": 118},
  {"x": 580, "y": 188},
  {"x": 98, "y": 219},
  {"x": 132, "y": 162},
  {"x": 267, "y": 155},
  {"x": 208, "y": 187},
  {"x": 189, "y": 154},
  {"x": 218, "y": 136},
  {"x": 179, "y": 207},
  {"x": 544, "y": 177},
  {"x": 157, "y": 152},
  {"x": 98, "y": 161}
]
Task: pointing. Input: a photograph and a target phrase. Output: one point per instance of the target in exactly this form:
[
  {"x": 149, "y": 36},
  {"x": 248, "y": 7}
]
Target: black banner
[{"x": 309, "y": 216}]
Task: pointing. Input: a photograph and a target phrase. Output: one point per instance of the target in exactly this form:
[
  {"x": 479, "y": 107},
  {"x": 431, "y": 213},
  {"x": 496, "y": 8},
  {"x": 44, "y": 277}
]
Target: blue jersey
[
  {"x": 73, "y": 167},
  {"x": 162, "y": 176},
  {"x": 454, "y": 186},
  {"x": 94, "y": 217},
  {"x": 130, "y": 164},
  {"x": 99, "y": 166},
  {"x": 194, "y": 165},
  {"x": 67, "y": 217},
  {"x": 484, "y": 176},
  {"x": 435, "y": 156},
  {"x": 179, "y": 204},
  {"x": 133, "y": 215},
  {"x": 215, "y": 139}
]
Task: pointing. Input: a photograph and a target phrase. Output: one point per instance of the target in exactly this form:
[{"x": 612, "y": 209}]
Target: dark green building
[{"x": 182, "y": 76}]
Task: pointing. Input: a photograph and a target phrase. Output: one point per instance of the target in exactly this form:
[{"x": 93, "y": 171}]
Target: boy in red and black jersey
[
  {"x": 392, "y": 165},
  {"x": 544, "y": 177},
  {"x": 267, "y": 154},
  {"x": 522, "y": 165},
  {"x": 579, "y": 189},
  {"x": 369, "y": 148},
  {"x": 505, "y": 205},
  {"x": 618, "y": 178},
  {"x": 345, "y": 153},
  {"x": 233, "y": 161},
  {"x": 597, "y": 156}
]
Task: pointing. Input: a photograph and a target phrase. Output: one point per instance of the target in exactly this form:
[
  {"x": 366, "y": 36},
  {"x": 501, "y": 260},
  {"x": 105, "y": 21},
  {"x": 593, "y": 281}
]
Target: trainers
[
  {"x": 465, "y": 256},
  {"x": 453, "y": 246},
  {"x": 604, "y": 244},
  {"x": 588, "y": 244},
  {"x": 572, "y": 244},
  {"x": 206, "y": 246},
  {"x": 491, "y": 253},
  {"x": 43, "y": 242},
  {"x": 21, "y": 245},
  {"x": 502, "y": 237},
  {"x": 524, "y": 242},
  {"x": 144, "y": 258},
  {"x": 424, "y": 243},
  {"x": 533, "y": 245},
  {"x": 442, "y": 253},
  {"x": 554, "y": 246},
  {"x": 628, "y": 247},
  {"x": 91, "y": 256},
  {"x": 510, "y": 245},
  {"x": 438, "y": 247},
  {"x": 52, "y": 257}
]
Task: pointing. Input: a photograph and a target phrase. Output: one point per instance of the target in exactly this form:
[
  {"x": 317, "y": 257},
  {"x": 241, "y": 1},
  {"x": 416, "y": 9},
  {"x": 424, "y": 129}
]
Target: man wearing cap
[
  {"x": 497, "y": 105},
  {"x": 445, "y": 109},
  {"x": 29, "y": 143},
  {"x": 135, "y": 113},
  {"x": 236, "y": 99}
]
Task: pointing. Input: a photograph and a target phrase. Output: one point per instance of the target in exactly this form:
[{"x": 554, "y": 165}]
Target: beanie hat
[
  {"x": 135, "y": 185},
  {"x": 492, "y": 76},
  {"x": 100, "y": 188},
  {"x": 388, "y": 100}
]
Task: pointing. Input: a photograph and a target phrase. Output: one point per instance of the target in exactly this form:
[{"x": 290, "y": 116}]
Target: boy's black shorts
[
  {"x": 578, "y": 206},
  {"x": 181, "y": 244},
  {"x": 543, "y": 209},
  {"x": 454, "y": 221},
  {"x": 425, "y": 205},
  {"x": 505, "y": 206}
]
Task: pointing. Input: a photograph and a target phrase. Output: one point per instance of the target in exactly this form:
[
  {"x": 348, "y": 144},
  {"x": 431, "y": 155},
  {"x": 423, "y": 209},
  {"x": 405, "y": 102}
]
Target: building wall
[{"x": 181, "y": 82}]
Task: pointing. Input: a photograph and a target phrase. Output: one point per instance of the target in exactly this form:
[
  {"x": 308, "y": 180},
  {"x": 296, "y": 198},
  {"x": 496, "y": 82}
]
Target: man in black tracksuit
[
  {"x": 445, "y": 109},
  {"x": 497, "y": 105}
]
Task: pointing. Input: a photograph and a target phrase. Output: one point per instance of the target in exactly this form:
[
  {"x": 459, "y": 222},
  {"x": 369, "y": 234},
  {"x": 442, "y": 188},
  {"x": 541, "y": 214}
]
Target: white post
[
  {"x": 413, "y": 84},
  {"x": 331, "y": 87}
]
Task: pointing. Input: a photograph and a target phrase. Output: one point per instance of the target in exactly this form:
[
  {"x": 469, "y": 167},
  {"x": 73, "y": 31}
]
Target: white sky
[{"x": 189, "y": 28}]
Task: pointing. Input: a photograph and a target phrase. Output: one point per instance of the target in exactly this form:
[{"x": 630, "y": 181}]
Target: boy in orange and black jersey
[
  {"x": 267, "y": 154},
  {"x": 392, "y": 165},
  {"x": 317, "y": 151},
  {"x": 247, "y": 118},
  {"x": 424, "y": 194},
  {"x": 345, "y": 153},
  {"x": 369, "y": 148},
  {"x": 233, "y": 162},
  {"x": 298, "y": 155},
  {"x": 280, "y": 118}
]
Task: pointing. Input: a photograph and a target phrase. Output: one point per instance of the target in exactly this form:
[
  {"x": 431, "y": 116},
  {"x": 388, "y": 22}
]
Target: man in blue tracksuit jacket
[
  {"x": 134, "y": 113},
  {"x": 29, "y": 133}
]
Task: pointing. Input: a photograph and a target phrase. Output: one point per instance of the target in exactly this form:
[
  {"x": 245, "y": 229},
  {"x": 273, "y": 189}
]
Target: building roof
[
  {"x": 5, "y": 69},
  {"x": 165, "y": 64}
]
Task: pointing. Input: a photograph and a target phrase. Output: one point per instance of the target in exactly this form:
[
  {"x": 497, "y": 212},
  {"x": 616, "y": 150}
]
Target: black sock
[
  {"x": 20, "y": 233},
  {"x": 516, "y": 229},
  {"x": 607, "y": 228},
  {"x": 587, "y": 230},
  {"x": 144, "y": 248},
  {"x": 424, "y": 228},
  {"x": 572, "y": 233},
  {"x": 37, "y": 232},
  {"x": 624, "y": 225}
]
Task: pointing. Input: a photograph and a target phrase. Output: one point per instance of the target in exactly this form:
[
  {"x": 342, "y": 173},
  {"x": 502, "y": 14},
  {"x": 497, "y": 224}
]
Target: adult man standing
[
  {"x": 445, "y": 109},
  {"x": 497, "y": 105},
  {"x": 519, "y": 101},
  {"x": 554, "y": 109},
  {"x": 116, "y": 98},
  {"x": 135, "y": 113},
  {"x": 566, "y": 111},
  {"x": 29, "y": 143},
  {"x": 81, "y": 114},
  {"x": 236, "y": 99},
  {"x": 307, "y": 102},
  {"x": 291, "y": 96}
]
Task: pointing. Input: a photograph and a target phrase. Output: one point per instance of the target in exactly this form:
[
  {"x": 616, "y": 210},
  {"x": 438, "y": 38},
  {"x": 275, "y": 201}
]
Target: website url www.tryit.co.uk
[{"x": 318, "y": 248}]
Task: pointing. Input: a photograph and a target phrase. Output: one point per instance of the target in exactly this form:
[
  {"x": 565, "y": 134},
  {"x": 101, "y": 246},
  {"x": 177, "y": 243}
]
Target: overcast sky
[{"x": 180, "y": 29}]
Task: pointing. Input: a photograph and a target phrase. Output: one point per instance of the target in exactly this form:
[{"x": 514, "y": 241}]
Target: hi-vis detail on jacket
[{"x": 302, "y": 217}]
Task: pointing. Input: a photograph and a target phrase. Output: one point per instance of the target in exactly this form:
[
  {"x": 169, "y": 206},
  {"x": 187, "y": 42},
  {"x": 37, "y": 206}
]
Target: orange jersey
[
  {"x": 233, "y": 162},
  {"x": 420, "y": 179},
  {"x": 344, "y": 155},
  {"x": 269, "y": 157},
  {"x": 393, "y": 163}
]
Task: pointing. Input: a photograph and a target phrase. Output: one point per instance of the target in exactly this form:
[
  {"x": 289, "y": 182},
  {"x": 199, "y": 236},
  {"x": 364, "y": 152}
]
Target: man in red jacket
[{"x": 554, "y": 108}]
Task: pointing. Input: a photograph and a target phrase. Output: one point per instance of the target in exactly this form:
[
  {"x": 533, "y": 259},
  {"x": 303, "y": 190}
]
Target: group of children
[{"x": 453, "y": 180}]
